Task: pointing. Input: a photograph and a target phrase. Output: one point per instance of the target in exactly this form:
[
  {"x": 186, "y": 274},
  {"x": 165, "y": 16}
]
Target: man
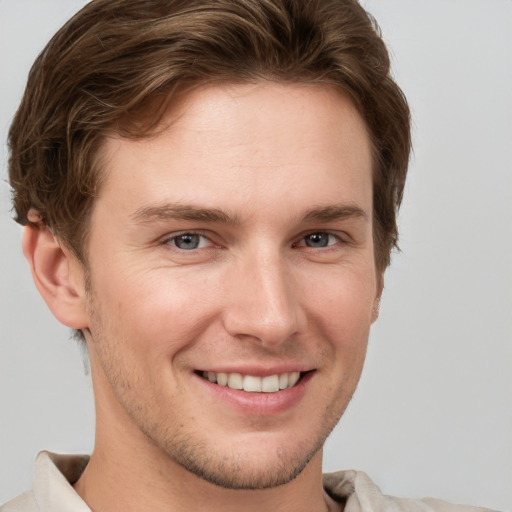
[{"x": 209, "y": 193}]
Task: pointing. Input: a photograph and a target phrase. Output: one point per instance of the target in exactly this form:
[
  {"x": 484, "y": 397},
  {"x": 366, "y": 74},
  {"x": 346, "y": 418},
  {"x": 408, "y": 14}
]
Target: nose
[{"x": 263, "y": 303}]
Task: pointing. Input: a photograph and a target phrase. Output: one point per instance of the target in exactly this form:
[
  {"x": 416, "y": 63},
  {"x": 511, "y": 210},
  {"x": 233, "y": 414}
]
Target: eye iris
[
  {"x": 188, "y": 241},
  {"x": 317, "y": 240}
]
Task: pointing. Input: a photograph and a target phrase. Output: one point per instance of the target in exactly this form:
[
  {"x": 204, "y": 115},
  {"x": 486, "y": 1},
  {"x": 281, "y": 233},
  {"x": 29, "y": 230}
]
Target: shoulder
[
  {"x": 23, "y": 503},
  {"x": 359, "y": 494}
]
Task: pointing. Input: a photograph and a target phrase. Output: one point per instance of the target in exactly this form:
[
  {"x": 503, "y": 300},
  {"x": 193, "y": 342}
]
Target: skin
[{"x": 252, "y": 172}]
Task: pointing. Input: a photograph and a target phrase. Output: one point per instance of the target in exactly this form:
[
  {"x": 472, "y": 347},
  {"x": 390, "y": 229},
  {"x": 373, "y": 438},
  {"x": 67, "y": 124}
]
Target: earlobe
[{"x": 58, "y": 276}]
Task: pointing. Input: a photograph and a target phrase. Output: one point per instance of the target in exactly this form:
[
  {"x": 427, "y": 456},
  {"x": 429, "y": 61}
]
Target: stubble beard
[
  {"x": 242, "y": 470},
  {"x": 198, "y": 455},
  {"x": 237, "y": 471}
]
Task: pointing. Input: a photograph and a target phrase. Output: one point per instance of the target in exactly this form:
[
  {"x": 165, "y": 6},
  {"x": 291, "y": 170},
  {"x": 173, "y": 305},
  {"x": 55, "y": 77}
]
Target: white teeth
[
  {"x": 235, "y": 381},
  {"x": 252, "y": 383},
  {"x": 222, "y": 379},
  {"x": 293, "y": 378},
  {"x": 270, "y": 384}
]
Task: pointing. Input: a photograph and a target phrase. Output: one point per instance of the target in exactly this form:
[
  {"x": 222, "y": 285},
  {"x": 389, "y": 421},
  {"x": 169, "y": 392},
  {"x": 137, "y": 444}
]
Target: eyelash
[
  {"x": 171, "y": 240},
  {"x": 303, "y": 238}
]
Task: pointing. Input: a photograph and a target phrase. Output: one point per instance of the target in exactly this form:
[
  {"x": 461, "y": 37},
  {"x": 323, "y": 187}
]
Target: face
[{"x": 232, "y": 281}]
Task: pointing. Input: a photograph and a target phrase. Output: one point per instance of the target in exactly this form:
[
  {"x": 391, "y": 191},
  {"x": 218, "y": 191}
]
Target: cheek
[
  {"x": 342, "y": 300},
  {"x": 340, "y": 311},
  {"x": 157, "y": 313}
]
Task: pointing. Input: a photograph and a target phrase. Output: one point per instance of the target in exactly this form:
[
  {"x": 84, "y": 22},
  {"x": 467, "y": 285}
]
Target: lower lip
[{"x": 260, "y": 404}]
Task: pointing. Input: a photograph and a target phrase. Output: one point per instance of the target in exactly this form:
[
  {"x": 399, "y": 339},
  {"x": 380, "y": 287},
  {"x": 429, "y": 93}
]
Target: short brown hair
[{"x": 117, "y": 64}]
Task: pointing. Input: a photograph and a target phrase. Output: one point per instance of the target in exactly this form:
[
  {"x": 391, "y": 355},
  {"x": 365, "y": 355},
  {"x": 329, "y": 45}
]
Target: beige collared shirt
[{"x": 55, "y": 474}]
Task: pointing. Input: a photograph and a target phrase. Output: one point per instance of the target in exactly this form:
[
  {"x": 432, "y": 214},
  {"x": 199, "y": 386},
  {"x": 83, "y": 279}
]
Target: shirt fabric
[{"x": 55, "y": 475}]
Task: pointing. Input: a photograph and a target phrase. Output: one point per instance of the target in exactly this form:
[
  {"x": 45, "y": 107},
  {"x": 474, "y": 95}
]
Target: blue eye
[
  {"x": 319, "y": 240},
  {"x": 188, "y": 241}
]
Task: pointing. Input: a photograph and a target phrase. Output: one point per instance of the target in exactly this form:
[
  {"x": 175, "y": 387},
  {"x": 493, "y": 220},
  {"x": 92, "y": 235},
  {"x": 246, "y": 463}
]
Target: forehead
[{"x": 253, "y": 142}]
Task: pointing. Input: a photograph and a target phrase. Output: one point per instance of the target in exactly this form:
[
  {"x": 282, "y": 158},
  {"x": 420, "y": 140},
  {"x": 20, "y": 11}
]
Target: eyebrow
[
  {"x": 176, "y": 211},
  {"x": 335, "y": 212}
]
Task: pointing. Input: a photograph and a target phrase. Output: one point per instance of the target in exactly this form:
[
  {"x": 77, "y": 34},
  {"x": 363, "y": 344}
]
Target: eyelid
[
  {"x": 167, "y": 239},
  {"x": 341, "y": 237}
]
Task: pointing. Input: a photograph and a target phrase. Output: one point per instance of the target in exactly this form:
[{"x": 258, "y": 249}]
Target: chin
[
  {"x": 239, "y": 473},
  {"x": 243, "y": 468}
]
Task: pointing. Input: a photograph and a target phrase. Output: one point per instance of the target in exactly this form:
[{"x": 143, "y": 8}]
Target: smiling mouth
[{"x": 252, "y": 383}]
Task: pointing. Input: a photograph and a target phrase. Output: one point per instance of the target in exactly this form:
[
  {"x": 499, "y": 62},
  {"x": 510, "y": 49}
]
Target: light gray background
[{"x": 433, "y": 413}]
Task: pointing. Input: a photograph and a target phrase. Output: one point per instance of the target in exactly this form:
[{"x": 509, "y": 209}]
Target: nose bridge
[{"x": 263, "y": 304}]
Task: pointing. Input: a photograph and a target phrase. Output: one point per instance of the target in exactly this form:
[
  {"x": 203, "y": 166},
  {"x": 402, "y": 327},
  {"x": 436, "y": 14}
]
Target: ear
[
  {"x": 58, "y": 276},
  {"x": 378, "y": 295}
]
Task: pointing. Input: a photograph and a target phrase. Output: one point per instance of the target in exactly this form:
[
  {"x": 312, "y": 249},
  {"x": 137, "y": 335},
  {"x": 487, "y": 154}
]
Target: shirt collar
[{"x": 54, "y": 477}]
